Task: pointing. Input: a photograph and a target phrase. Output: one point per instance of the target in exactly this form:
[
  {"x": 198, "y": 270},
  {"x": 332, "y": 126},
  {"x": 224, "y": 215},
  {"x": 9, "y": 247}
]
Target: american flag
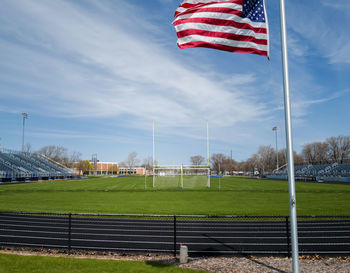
[{"x": 234, "y": 25}]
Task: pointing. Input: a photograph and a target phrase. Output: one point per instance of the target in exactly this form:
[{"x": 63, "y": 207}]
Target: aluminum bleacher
[
  {"x": 19, "y": 166},
  {"x": 326, "y": 172}
]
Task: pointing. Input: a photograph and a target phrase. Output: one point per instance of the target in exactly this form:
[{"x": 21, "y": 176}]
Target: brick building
[{"x": 113, "y": 168}]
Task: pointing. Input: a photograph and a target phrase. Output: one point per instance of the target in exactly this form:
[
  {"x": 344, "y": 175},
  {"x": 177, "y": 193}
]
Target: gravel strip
[
  {"x": 269, "y": 264},
  {"x": 249, "y": 264}
]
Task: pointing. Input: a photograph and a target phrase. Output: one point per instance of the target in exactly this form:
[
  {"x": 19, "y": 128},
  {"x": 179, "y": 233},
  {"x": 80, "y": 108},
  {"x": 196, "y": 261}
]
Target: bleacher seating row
[
  {"x": 19, "y": 166},
  {"x": 331, "y": 172}
]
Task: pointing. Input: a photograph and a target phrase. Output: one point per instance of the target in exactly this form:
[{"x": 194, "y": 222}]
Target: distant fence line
[{"x": 204, "y": 235}]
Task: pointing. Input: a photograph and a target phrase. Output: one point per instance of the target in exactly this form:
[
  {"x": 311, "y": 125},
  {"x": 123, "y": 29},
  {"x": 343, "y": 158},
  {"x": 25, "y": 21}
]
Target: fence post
[
  {"x": 288, "y": 237},
  {"x": 69, "y": 232},
  {"x": 174, "y": 236}
]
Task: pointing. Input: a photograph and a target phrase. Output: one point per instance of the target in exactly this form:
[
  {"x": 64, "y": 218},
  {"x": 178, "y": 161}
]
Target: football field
[{"x": 235, "y": 196}]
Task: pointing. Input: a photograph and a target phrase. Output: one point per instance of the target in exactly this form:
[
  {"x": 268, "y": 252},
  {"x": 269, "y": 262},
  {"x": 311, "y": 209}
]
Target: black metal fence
[{"x": 204, "y": 235}]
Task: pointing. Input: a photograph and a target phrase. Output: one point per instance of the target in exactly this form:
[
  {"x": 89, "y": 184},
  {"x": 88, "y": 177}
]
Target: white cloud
[
  {"x": 323, "y": 29},
  {"x": 343, "y": 5},
  {"x": 296, "y": 47},
  {"x": 83, "y": 63},
  {"x": 95, "y": 59},
  {"x": 240, "y": 79}
]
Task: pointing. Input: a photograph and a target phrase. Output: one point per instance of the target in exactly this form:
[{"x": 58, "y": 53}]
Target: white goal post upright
[
  {"x": 154, "y": 161},
  {"x": 181, "y": 175},
  {"x": 208, "y": 156}
]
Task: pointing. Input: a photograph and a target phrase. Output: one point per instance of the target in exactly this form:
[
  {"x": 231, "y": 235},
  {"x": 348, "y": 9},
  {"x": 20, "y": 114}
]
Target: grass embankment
[
  {"x": 36, "y": 264},
  {"x": 237, "y": 196}
]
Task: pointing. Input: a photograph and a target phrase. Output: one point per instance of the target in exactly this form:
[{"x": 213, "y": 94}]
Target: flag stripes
[
  {"x": 219, "y": 28},
  {"x": 195, "y": 3},
  {"x": 221, "y": 25},
  {"x": 227, "y": 36}
]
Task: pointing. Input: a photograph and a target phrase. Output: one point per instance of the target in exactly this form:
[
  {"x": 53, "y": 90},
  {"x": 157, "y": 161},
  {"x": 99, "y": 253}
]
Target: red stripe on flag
[
  {"x": 220, "y": 22},
  {"x": 198, "y": 5},
  {"x": 224, "y": 35},
  {"x": 189, "y": 5},
  {"x": 218, "y": 10},
  {"x": 223, "y": 47}
]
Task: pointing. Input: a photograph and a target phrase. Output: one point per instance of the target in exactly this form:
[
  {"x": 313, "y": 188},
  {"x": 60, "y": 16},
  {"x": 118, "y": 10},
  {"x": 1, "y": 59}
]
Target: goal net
[{"x": 181, "y": 177}]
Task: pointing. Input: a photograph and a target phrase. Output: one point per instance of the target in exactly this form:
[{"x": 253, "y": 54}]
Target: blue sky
[{"x": 92, "y": 75}]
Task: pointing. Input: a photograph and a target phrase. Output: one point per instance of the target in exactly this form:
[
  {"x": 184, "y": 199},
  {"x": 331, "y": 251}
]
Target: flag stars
[{"x": 253, "y": 10}]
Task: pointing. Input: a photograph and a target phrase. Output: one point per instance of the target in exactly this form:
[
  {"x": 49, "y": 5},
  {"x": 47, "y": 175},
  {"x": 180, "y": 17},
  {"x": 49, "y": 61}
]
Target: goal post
[{"x": 181, "y": 176}]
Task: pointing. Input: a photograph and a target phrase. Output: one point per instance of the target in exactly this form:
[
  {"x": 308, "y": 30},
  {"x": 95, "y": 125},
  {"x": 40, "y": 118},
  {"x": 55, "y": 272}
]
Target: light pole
[
  {"x": 94, "y": 160},
  {"x": 275, "y": 129},
  {"x": 25, "y": 116}
]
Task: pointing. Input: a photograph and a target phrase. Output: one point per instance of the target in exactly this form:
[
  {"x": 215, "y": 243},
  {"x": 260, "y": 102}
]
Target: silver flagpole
[{"x": 291, "y": 180}]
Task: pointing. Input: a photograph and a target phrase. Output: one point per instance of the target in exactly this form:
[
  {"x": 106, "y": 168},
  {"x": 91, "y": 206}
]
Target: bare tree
[
  {"x": 56, "y": 153},
  {"x": 267, "y": 157},
  {"x": 72, "y": 159},
  {"x": 264, "y": 161},
  {"x": 197, "y": 160},
  {"x": 254, "y": 163},
  {"x": 60, "y": 155},
  {"x": 75, "y": 157},
  {"x": 148, "y": 163},
  {"x": 229, "y": 165},
  {"x": 243, "y": 166},
  {"x": 132, "y": 160},
  {"x": 315, "y": 153},
  {"x": 339, "y": 148},
  {"x": 217, "y": 162},
  {"x": 282, "y": 157},
  {"x": 333, "y": 150},
  {"x": 298, "y": 159}
]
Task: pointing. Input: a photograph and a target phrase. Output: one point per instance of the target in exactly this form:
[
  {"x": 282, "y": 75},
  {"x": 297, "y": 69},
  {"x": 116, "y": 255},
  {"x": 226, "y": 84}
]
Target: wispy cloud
[
  {"x": 94, "y": 65},
  {"x": 323, "y": 29},
  {"x": 101, "y": 62},
  {"x": 343, "y": 5},
  {"x": 65, "y": 134},
  {"x": 296, "y": 47},
  {"x": 301, "y": 106}
]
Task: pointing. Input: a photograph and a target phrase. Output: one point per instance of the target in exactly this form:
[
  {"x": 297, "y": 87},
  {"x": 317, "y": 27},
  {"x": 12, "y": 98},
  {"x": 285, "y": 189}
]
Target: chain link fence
[{"x": 203, "y": 235}]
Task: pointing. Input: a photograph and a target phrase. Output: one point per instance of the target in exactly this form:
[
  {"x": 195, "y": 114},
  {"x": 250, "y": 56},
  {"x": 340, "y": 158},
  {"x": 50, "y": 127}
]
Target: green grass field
[
  {"x": 37, "y": 264},
  {"x": 189, "y": 181},
  {"x": 238, "y": 196}
]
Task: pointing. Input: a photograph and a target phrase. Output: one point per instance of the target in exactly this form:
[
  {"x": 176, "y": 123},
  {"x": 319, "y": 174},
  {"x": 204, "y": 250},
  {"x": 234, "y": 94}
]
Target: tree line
[{"x": 332, "y": 150}]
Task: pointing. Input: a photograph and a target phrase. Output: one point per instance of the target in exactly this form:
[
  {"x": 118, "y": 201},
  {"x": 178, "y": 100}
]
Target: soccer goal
[{"x": 181, "y": 176}]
